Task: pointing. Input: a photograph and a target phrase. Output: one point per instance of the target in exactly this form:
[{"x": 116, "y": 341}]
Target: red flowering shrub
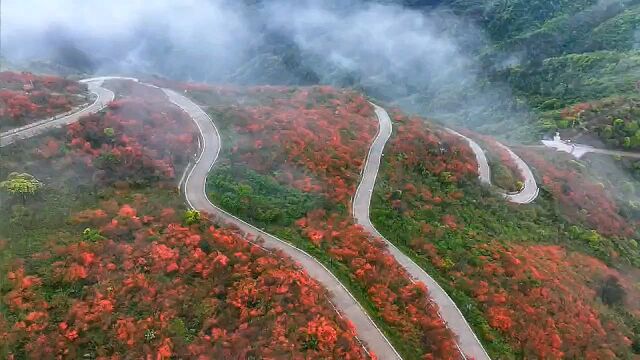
[
  {"x": 544, "y": 298},
  {"x": 429, "y": 149},
  {"x": 537, "y": 301},
  {"x": 26, "y": 97},
  {"x": 136, "y": 139},
  {"x": 151, "y": 288},
  {"x": 581, "y": 199},
  {"x": 402, "y": 303},
  {"x": 316, "y": 140}
]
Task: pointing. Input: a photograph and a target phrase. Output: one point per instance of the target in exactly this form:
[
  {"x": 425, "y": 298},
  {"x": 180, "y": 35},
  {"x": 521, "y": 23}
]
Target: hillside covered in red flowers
[
  {"x": 530, "y": 283},
  {"x": 138, "y": 139},
  {"x": 25, "y": 97},
  {"x": 106, "y": 262},
  {"x": 303, "y": 150},
  {"x": 136, "y": 285}
]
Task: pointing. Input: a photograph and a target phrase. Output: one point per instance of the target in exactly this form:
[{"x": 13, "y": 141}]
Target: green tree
[
  {"x": 191, "y": 217},
  {"x": 631, "y": 127},
  {"x": 607, "y": 132},
  {"x": 21, "y": 185},
  {"x": 109, "y": 132},
  {"x": 611, "y": 292}
]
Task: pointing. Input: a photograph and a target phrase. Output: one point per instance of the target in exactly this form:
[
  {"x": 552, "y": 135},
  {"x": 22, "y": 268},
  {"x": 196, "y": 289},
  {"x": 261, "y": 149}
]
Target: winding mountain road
[
  {"x": 467, "y": 341},
  {"x": 195, "y": 193},
  {"x": 194, "y": 187},
  {"x": 484, "y": 172},
  {"x": 530, "y": 190},
  {"x": 103, "y": 97}
]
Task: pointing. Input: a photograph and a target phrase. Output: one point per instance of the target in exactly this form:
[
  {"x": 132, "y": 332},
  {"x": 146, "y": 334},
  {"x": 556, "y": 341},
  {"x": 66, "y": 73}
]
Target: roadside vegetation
[
  {"x": 290, "y": 164},
  {"x": 610, "y": 123},
  {"x": 505, "y": 173},
  {"x": 530, "y": 279},
  {"x": 559, "y": 59},
  {"x": 101, "y": 259},
  {"x": 25, "y": 97}
]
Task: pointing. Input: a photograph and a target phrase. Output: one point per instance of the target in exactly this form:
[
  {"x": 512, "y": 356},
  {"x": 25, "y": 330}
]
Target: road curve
[
  {"x": 467, "y": 341},
  {"x": 368, "y": 332},
  {"x": 484, "y": 172},
  {"x": 195, "y": 193},
  {"x": 530, "y": 190},
  {"x": 103, "y": 97}
]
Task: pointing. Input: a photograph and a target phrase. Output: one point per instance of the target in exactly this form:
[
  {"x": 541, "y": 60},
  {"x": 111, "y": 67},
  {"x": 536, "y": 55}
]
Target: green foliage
[
  {"x": 261, "y": 198},
  {"x": 576, "y": 78},
  {"x": 506, "y": 19},
  {"x": 149, "y": 335},
  {"x": 618, "y": 32},
  {"x": 21, "y": 184},
  {"x": 178, "y": 329},
  {"x": 504, "y": 178},
  {"x": 91, "y": 235},
  {"x": 109, "y": 132},
  {"x": 21, "y": 215},
  {"x": 107, "y": 161},
  {"x": 611, "y": 292},
  {"x": 191, "y": 217}
]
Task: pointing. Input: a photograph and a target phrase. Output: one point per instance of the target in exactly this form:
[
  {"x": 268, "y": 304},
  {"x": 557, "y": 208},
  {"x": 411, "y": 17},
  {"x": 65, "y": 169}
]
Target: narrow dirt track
[{"x": 467, "y": 341}]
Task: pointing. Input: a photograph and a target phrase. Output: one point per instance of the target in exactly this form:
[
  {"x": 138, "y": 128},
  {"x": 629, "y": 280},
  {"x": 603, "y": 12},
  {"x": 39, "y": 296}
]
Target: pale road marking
[{"x": 468, "y": 343}]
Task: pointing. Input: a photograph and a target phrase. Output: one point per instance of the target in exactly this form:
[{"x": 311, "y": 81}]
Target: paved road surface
[
  {"x": 530, "y": 191},
  {"x": 467, "y": 340},
  {"x": 483, "y": 165},
  {"x": 195, "y": 192},
  {"x": 579, "y": 150},
  {"x": 527, "y": 194},
  {"x": 341, "y": 298},
  {"x": 103, "y": 97}
]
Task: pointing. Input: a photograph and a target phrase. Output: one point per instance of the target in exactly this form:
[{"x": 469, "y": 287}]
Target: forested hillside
[
  {"x": 560, "y": 53},
  {"x": 496, "y": 66},
  {"x": 514, "y": 60}
]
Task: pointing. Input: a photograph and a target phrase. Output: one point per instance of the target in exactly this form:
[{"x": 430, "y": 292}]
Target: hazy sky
[
  {"x": 159, "y": 35},
  {"x": 216, "y": 35},
  {"x": 421, "y": 59}
]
